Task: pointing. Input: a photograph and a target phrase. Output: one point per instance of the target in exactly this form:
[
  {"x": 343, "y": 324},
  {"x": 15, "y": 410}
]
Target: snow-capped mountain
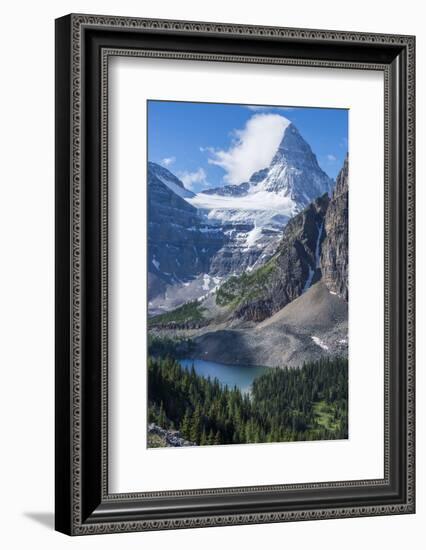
[
  {"x": 254, "y": 213},
  {"x": 242, "y": 224},
  {"x": 180, "y": 244},
  {"x": 294, "y": 172},
  {"x": 294, "y": 177},
  {"x": 170, "y": 180}
]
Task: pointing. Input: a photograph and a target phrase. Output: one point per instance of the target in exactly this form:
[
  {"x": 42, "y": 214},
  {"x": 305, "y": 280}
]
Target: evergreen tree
[
  {"x": 195, "y": 432},
  {"x": 210, "y": 437},
  {"x": 162, "y": 416},
  {"x": 185, "y": 428}
]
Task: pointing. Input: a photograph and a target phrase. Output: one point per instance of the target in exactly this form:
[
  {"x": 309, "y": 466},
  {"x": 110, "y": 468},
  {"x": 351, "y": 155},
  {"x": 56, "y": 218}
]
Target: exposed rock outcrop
[
  {"x": 159, "y": 437},
  {"x": 335, "y": 250},
  {"x": 291, "y": 271}
]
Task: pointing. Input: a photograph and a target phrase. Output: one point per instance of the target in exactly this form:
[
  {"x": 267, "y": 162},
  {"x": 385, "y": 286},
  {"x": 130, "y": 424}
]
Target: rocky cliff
[
  {"x": 334, "y": 255},
  {"x": 290, "y": 272}
]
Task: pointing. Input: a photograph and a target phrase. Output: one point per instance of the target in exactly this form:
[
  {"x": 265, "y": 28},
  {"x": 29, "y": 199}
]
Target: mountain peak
[
  {"x": 293, "y": 142},
  {"x": 295, "y": 151},
  {"x": 294, "y": 171},
  {"x": 170, "y": 180}
]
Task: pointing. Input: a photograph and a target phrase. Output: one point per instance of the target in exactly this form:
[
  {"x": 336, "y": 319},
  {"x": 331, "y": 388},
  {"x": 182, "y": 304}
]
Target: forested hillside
[{"x": 285, "y": 404}]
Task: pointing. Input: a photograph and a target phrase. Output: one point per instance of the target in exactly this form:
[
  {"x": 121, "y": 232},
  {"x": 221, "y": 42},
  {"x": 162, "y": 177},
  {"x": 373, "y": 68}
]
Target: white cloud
[
  {"x": 331, "y": 158},
  {"x": 168, "y": 161},
  {"x": 191, "y": 179},
  {"x": 253, "y": 147}
]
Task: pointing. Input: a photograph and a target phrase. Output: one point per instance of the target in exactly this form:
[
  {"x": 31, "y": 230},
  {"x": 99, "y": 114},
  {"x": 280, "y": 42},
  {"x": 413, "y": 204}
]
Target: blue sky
[{"x": 209, "y": 145}]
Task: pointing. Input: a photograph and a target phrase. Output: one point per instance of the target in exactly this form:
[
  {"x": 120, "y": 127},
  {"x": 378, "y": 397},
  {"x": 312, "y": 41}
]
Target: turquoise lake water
[{"x": 229, "y": 375}]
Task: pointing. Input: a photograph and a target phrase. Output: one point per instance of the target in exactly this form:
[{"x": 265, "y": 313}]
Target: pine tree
[
  {"x": 196, "y": 425},
  {"x": 210, "y": 438},
  {"x": 162, "y": 416},
  {"x": 185, "y": 427}
]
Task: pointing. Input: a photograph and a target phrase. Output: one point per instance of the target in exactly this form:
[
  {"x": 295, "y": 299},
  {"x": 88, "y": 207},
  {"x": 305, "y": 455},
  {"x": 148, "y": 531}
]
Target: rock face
[
  {"x": 245, "y": 247},
  {"x": 290, "y": 272},
  {"x": 159, "y": 437},
  {"x": 334, "y": 255},
  {"x": 180, "y": 245}
]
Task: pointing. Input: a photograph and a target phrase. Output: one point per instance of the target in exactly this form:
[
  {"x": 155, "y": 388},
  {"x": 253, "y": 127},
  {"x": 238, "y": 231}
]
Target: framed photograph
[{"x": 234, "y": 274}]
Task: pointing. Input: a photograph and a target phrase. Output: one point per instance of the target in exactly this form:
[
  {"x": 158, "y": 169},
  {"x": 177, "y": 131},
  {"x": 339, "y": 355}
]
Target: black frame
[{"x": 83, "y": 45}]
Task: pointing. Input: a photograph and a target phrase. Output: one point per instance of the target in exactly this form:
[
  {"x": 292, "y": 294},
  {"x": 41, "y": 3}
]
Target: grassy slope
[
  {"x": 155, "y": 441},
  {"x": 246, "y": 286},
  {"x": 192, "y": 311},
  {"x": 324, "y": 415}
]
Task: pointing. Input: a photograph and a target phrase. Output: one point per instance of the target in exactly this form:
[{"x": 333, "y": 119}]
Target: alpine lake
[{"x": 228, "y": 375}]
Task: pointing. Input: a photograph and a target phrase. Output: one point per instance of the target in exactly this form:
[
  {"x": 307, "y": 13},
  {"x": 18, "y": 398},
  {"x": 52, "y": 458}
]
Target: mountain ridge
[{"x": 180, "y": 245}]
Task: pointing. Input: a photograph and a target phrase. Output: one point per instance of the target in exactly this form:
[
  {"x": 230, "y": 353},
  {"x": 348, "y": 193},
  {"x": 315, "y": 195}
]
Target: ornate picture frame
[{"x": 84, "y": 45}]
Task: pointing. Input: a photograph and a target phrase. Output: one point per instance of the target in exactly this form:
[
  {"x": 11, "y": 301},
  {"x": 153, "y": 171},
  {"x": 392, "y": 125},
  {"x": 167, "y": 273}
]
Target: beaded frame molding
[{"x": 84, "y": 44}]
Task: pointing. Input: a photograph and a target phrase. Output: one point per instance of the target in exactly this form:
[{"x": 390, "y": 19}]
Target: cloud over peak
[
  {"x": 193, "y": 179},
  {"x": 252, "y": 149}
]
